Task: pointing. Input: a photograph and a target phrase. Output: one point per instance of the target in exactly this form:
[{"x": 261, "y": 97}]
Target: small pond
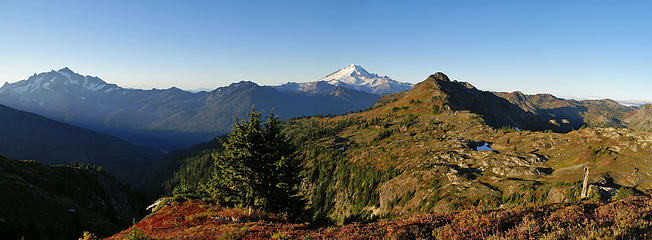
[{"x": 484, "y": 147}]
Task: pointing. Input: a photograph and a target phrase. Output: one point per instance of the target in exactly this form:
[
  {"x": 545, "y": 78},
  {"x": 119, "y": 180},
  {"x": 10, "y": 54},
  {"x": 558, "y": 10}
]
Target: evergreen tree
[{"x": 257, "y": 167}]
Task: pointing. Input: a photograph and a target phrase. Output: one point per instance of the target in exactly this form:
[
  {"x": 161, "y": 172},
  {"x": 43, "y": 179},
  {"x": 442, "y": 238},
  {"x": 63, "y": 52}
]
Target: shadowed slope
[
  {"x": 60, "y": 202},
  {"x": 31, "y": 137}
]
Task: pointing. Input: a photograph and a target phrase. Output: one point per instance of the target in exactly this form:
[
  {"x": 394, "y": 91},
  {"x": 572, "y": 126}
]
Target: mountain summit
[
  {"x": 354, "y": 77},
  {"x": 61, "y": 80},
  {"x": 352, "y": 74}
]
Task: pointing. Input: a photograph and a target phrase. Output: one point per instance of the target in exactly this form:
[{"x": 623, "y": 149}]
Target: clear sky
[{"x": 590, "y": 49}]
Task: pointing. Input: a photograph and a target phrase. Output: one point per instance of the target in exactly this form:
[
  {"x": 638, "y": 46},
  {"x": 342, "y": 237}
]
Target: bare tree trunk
[{"x": 585, "y": 189}]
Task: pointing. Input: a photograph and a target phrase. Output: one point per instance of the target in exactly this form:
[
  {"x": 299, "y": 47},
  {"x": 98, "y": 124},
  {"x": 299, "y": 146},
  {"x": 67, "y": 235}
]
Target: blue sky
[{"x": 591, "y": 49}]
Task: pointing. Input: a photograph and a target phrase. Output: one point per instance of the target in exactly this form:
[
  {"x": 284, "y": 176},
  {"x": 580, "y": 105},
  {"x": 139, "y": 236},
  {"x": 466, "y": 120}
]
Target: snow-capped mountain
[
  {"x": 62, "y": 80},
  {"x": 352, "y": 76}
]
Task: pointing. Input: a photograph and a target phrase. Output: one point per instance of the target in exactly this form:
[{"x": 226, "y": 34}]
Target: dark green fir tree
[{"x": 257, "y": 168}]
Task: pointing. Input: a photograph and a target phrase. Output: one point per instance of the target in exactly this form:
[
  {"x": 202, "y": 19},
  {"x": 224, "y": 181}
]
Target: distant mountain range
[
  {"x": 575, "y": 114},
  {"x": 634, "y": 103},
  {"x": 173, "y": 118}
]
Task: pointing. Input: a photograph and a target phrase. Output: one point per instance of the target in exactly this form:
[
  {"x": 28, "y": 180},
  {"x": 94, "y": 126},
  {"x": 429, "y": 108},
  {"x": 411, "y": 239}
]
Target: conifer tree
[{"x": 257, "y": 167}]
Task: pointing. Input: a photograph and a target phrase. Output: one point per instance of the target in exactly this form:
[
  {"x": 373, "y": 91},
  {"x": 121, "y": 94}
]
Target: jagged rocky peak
[
  {"x": 440, "y": 79},
  {"x": 67, "y": 73},
  {"x": 244, "y": 84},
  {"x": 65, "y": 70},
  {"x": 440, "y": 76}
]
